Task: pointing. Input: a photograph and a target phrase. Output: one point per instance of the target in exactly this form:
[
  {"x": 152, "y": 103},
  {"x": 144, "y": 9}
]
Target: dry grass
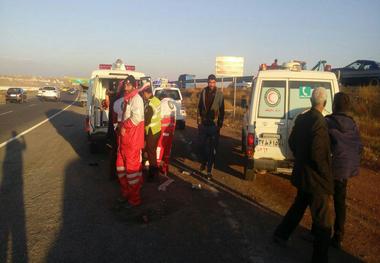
[{"x": 366, "y": 112}]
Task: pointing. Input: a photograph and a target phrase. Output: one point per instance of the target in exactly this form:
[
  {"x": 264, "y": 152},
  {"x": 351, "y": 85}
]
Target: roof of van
[
  {"x": 309, "y": 74},
  {"x": 116, "y": 74}
]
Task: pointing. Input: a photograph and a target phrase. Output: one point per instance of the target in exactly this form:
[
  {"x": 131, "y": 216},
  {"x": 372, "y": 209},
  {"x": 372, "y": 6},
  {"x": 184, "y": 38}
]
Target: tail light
[{"x": 250, "y": 144}]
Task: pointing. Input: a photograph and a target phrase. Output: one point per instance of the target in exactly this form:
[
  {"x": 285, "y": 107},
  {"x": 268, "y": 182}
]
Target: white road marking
[
  {"x": 222, "y": 204},
  {"x": 1, "y": 114},
  {"x": 164, "y": 185},
  {"x": 35, "y": 126}
]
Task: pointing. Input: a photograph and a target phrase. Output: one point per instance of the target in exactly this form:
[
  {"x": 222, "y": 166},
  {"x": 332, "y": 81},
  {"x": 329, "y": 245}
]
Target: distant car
[
  {"x": 15, "y": 95},
  {"x": 72, "y": 91},
  {"x": 359, "y": 72},
  {"x": 39, "y": 92},
  {"x": 175, "y": 94},
  {"x": 51, "y": 93}
]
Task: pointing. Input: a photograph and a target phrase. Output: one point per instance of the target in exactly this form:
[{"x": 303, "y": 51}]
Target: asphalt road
[{"x": 56, "y": 202}]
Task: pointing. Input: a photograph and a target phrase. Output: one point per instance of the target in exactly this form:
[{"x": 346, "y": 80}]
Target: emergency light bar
[
  {"x": 109, "y": 67},
  {"x": 105, "y": 66},
  {"x": 130, "y": 67}
]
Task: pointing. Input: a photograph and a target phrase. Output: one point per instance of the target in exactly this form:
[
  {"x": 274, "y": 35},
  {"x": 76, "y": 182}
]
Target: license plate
[{"x": 269, "y": 142}]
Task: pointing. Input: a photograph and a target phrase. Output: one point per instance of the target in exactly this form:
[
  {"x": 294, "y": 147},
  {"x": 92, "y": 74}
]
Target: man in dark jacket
[
  {"x": 210, "y": 120},
  {"x": 312, "y": 176},
  {"x": 346, "y": 149}
]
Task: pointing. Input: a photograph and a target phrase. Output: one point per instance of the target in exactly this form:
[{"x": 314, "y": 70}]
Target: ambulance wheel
[
  {"x": 249, "y": 171},
  {"x": 92, "y": 145},
  {"x": 181, "y": 125}
]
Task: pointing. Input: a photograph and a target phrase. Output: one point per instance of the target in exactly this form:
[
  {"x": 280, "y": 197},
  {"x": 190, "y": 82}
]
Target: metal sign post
[{"x": 234, "y": 96}]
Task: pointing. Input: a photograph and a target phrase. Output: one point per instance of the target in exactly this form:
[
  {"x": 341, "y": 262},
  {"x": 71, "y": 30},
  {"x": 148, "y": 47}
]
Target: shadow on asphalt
[
  {"x": 183, "y": 225},
  {"x": 225, "y": 159},
  {"x": 12, "y": 210}
]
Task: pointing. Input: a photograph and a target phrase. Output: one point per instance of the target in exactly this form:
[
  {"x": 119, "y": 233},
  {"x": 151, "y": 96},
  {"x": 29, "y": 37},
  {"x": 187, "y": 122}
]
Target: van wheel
[
  {"x": 249, "y": 172},
  {"x": 93, "y": 147},
  {"x": 181, "y": 125}
]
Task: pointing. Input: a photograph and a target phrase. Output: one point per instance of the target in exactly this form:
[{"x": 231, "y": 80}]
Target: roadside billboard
[{"x": 229, "y": 66}]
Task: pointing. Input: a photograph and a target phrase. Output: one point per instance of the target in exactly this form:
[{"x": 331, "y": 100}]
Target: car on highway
[
  {"x": 51, "y": 93},
  {"x": 359, "y": 72},
  {"x": 101, "y": 80},
  {"x": 72, "y": 91},
  {"x": 39, "y": 92},
  {"x": 277, "y": 97},
  {"x": 171, "y": 91},
  {"x": 15, "y": 95}
]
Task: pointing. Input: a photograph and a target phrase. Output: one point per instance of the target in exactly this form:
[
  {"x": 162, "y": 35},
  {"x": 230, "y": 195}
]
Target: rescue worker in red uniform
[
  {"x": 130, "y": 137},
  {"x": 168, "y": 120}
]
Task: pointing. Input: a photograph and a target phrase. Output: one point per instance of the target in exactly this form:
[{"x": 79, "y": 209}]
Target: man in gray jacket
[{"x": 210, "y": 119}]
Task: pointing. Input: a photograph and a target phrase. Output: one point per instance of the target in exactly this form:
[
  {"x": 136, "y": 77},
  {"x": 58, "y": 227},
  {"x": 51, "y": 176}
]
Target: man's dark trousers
[
  {"x": 340, "y": 208},
  {"x": 151, "y": 150},
  {"x": 208, "y": 143},
  {"x": 321, "y": 212}
]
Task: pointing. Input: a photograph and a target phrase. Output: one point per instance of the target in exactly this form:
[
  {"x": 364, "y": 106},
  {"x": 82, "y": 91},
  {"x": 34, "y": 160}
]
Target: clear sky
[{"x": 171, "y": 37}]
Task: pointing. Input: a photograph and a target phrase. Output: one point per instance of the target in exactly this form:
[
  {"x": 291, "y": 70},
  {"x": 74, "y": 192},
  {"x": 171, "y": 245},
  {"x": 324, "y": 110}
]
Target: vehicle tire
[
  {"x": 249, "y": 171},
  {"x": 93, "y": 146},
  {"x": 181, "y": 125}
]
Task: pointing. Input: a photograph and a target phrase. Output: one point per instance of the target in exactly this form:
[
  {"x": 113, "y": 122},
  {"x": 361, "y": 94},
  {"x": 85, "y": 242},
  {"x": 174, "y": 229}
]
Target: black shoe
[
  {"x": 336, "y": 243},
  {"x": 202, "y": 168},
  {"x": 280, "y": 241},
  {"x": 120, "y": 202},
  {"x": 209, "y": 176}
]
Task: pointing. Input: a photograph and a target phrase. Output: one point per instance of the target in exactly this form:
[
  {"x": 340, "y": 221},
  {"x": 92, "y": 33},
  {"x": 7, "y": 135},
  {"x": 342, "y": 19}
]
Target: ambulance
[
  {"x": 277, "y": 97},
  {"x": 107, "y": 76}
]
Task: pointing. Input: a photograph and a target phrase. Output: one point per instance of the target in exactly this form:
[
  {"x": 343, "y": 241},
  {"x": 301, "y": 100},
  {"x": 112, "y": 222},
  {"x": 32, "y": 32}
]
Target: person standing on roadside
[
  {"x": 210, "y": 119},
  {"x": 152, "y": 115},
  {"x": 346, "y": 148},
  {"x": 312, "y": 176},
  {"x": 130, "y": 136},
  {"x": 111, "y": 96}
]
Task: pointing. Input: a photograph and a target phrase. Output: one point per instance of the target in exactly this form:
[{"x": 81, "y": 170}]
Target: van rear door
[
  {"x": 299, "y": 100},
  {"x": 270, "y": 128}
]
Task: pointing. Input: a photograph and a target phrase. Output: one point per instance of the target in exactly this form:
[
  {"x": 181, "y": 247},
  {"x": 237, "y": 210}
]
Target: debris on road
[{"x": 196, "y": 186}]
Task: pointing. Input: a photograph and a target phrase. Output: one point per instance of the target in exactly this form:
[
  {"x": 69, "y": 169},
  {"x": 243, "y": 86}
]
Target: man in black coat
[
  {"x": 210, "y": 120},
  {"x": 312, "y": 176}
]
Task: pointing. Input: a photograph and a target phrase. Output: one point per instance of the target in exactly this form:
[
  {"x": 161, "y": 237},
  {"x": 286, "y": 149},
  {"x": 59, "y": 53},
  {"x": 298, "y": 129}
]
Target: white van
[
  {"x": 101, "y": 80},
  {"x": 168, "y": 91},
  {"x": 277, "y": 98}
]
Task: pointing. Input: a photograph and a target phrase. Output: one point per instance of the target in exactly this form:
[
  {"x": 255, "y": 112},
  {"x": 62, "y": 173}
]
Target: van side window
[
  {"x": 272, "y": 99},
  {"x": 300, "y": 94}
]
